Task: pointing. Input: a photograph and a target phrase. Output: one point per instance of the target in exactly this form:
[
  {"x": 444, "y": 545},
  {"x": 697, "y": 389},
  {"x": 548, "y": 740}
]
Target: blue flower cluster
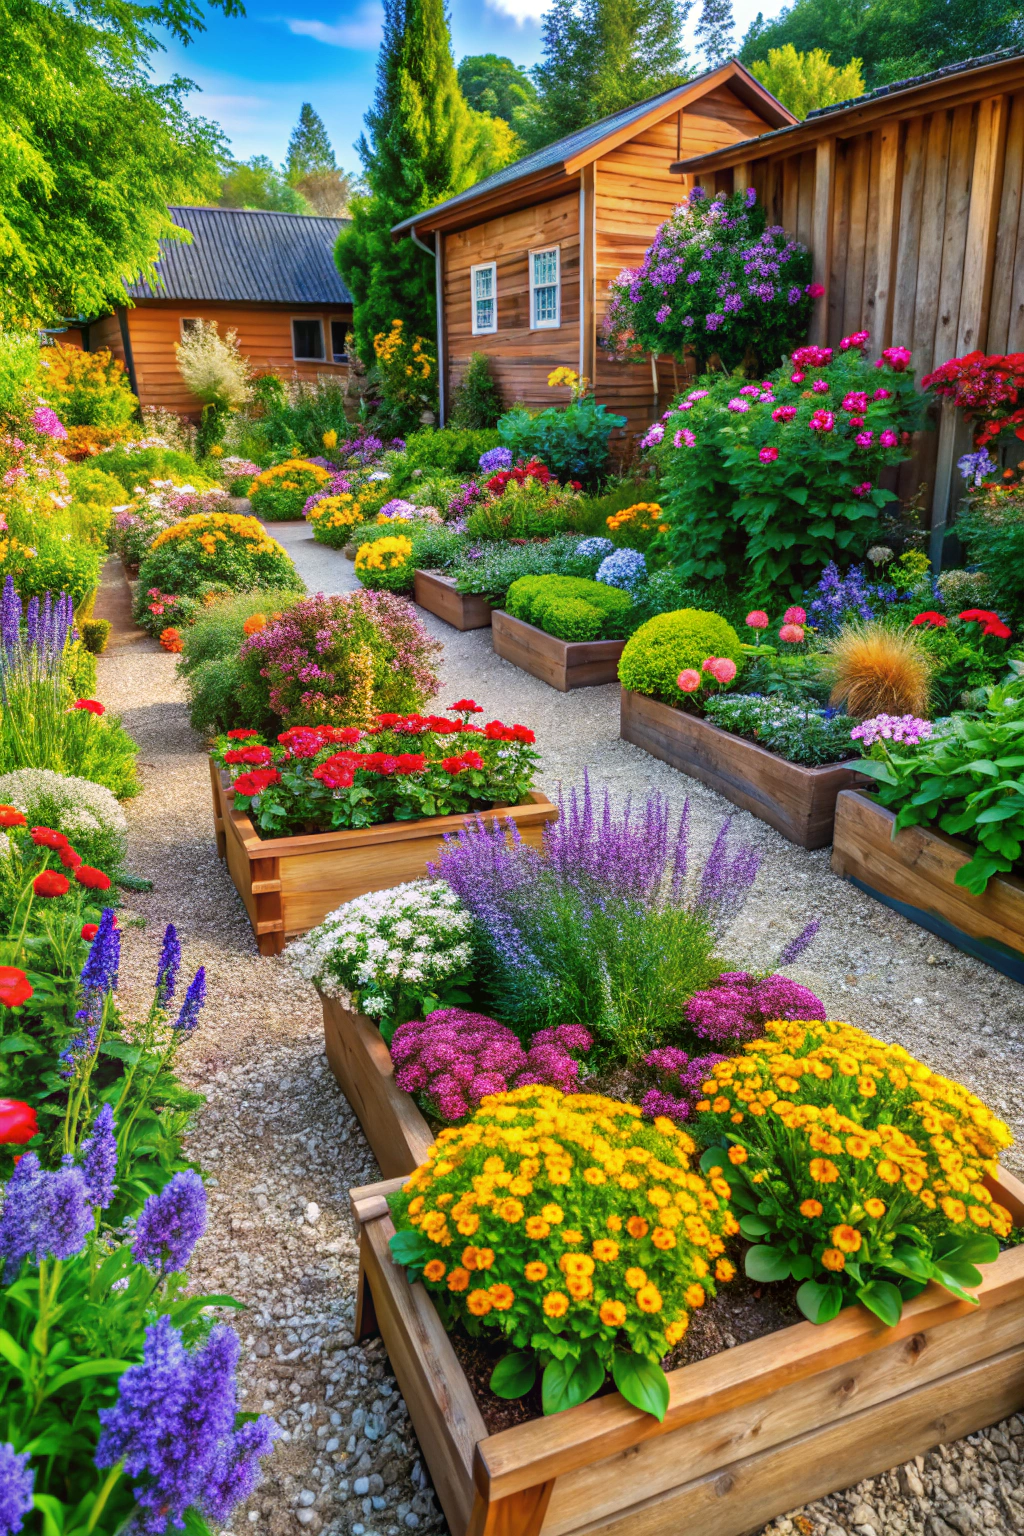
[
  {"x": 495, "y": 459},
  {"x": 594, "y": 548},
  {"x": 626, "y": 568},
  {"x": 837, "y": 598}
]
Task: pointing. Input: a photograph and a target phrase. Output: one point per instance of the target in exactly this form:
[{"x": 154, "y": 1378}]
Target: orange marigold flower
[
  {"x": 724, "y": 1270},
  {"x": 636, "y": 1226},
  {"x": 648, "y": 1298},
  {"x": 979, "y": 1215},
  {"x": 469, "y": 1256},
  {"x": 661, "y": 1237},
  {"x": 888, "y": 1171},
  {"x": 612, "y": 1314},
  {"x": 694, "y": 1295},
  {"x": 674, "y": 1332},
  {"x": 604, "y": 1249},
  {"x": 479, "y": 1303},
  {"x": 635, "y": 1277},
  {"x": 458, "y": 1280},
  {"x": 556, "y": 1304},
  {"x": 502, "y": 1297},
  {"x": 833, "y": 1259},
  {"x": 434, "y": 1270},
  {"x": 572, "y": 1235},
  {"x": 595, "y": 1176},
  {"x": 858, "y": 1146},
  {"x": 511, "y": 1211},
  {"x": 823, "y": 1171},
  {"x": 579, "y": 1287},
  {"x": 614, "y": 1223},
  {"x": 535, "y": 1270},
  {"x": 468, "y": 1225},
  {"x": 737, "y": 1155},
  {"x": 552, "y": 1213},
  {"x": 875, "y": 1208},
  {"x": 867, "y": 1087},
  {"x": 484, "y": 1258},
  {"x": 846, "y": 1238},
  {"x": 536, "y": 1226},
  {"x": 811, "y": 1208}
]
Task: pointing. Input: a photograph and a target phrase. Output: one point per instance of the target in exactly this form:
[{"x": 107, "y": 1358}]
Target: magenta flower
[
  {"x": 822, "y": 421},
  {"x": 857, "y": 339},
  {"x": 739, "y": 1005},
  {"x": 855, "y": 401},
  {"x": 757, "y": 619},
  {"x": 47, "y": 423},
  {"x": 882, "y": 394},
  {"x": 794, "y": 615},
  {"x": 684, "y": 435},
  {"x": 784, "y": 413},
  {"x": 820, "y": 386},
  {"x": 738, "y": 405},
  {"x": 689, "y": 680},
  {"x": 888, "y": 438},
  {"x": 768, "y": 455},
  {"x": 896, "y": 357},
  {"x": 791, "y": 633},
  {"x": 814, "y": 290},
  {"x": 864, "y": 439},
  {"x": 864, "y": 489},
  {"x": 796, "y": 378}
]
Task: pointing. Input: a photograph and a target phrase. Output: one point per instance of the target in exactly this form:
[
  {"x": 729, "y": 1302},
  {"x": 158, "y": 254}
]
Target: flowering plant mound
[
  {"x": 214, "y": 551},
  {"x": 573, "y": 440},
  {"x": 667, "y": 656},
  {"x": 769, "y": 481},
  {"x": 860, "y": 1170},
  {"x": 85, "y": 812},
  {"x": 715, "y": 280},
  {"x": 575, "y": 1231},
  {"x": 635, "y": 527},
  {"x": 150, "y": 512},
  {"x": 386, "y": 564},
  {"x": 679, "y": 1080},
  {"x": 281, "y": 493},
  {"x": 456, "y": 1059},
  {"x": 530, "y": 508},
  {"x": 334, "y": 517},
  {"x": 401, "y": 768},
  {"x": 987, "y": 389},
  {"x": 739, "y": 1005},
  {"x": 799, "y": 732},
  {"x": 392, "y": 954}
]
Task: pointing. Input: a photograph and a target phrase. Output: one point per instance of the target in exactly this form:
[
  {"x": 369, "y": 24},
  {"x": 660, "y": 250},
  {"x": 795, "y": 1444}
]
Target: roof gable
[{"x": 248, "y": 256}]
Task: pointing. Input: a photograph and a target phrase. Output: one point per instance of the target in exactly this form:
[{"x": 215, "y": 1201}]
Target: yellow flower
[
  {"x": 605, "y": 1249},
  {"x": 636, "y": 1226},
  {"x": 648, "y": 1298},
  {"x": 537, "y": 1227},
  {"x": 875, "y": 1208},
  {"x": 556, "y": 1304},
  {"x": 695, "y": 1295},
  {"x": 635, "y": 1277},
  {"x": 579, "y": 1287},
  {"x": 954, "y": 1209},
  {"x": 552, "y": 1213},
  {"x": 510, "y": 1211},
  {"x": 484, "y": 1258},
  {"x": 823, "y": 1171},
  {"x": 479, "y": 1303},
  {"x": 612, "y": 1314},
  {"x": 662, "y": 1238},
  {"x": 888, "y": 1171},
  {"x": 595, "y": 1176},
  {"x": 737, "y": 1155},
  {"x": 724, "y": 1270},
  {"x": 675, "y": 1331},
  {"x": 535, "y": 1270},
  {"x": 846, "y": 1238}
]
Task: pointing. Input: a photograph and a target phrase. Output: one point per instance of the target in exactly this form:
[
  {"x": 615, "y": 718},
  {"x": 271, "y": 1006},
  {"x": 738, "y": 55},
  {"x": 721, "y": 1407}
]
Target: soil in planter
[{"x": 741, "y": 1311}]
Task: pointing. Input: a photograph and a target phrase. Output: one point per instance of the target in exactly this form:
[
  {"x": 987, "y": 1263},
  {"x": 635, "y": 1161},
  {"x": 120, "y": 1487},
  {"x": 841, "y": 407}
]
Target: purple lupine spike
[
  {"x": 32, "y": 621},
  {"x": 195, "y": 998},
  {"x": 99, "y": 1158},
  {"x": 45, "y": 1215},
  {"x": 712, "y": 880},
  {"x": 10, "y": 618},
  {"x": 682, "y": 849},
  {"x": 235, "y": 1472},
  {"x": 17, "y": 1481},
  {"x": 171, "y": 1223},
  {"x": 99, "y": 973},
  {"x": 168, "y": 966},
  {"x": 18, "y": 1216},
  {"x": 797, "y": 946}
]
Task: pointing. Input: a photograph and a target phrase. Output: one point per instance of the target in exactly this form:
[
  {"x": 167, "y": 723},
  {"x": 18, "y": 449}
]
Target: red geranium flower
[
  {"x": 388, "y": 719},
  {"x": 18, "y": 1122},
  {"x": 990, "y": 621},
  {"x": 46, "y": 837},
  {"x": 523, "y": 733},
  {"x": 936, "y": 620},
  {"x": 467, "y": 706},
  {"x": 69, "y": 858},
  {"x": 495, "y": 730},
  {"x": 92, "y": 879},
  {"x": 234, "y": 755},
  {"x": 257, "y": 756},
  {"x": 256, "y": 782},
  {"x": 337, "y": 772},
  {"x": 241, "y": 735},
  {"x": 51, "y": 883},
  {"x": 10, "y": 816},
  {"x": 15, "y": 987},
  {"x": 89, "y": 931},
  {"x": 92, "y": 705}
]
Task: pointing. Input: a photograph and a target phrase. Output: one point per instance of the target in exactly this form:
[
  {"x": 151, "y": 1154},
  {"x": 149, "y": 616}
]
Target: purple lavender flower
[
  {"x": 99, "y": 973},
  {"x": 726, "y": 879},
  {"x": 797, "y": 946},
  {"x": 495, "y": 459},
  {"x": 167, "y": 968},
  {"x": 839, "y": 598},
  {"x": 171, "y": 1223},
  {"x": 17, "y": 1480},
  {"x": 195, "y": 998},
  {"x": 235, "y": 1470},
  {"x": 46, "y": 1215},
  {"x": 99, "y": 1159}
]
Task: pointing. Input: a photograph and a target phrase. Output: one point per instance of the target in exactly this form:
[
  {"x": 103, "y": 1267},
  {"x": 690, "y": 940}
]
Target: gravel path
[{"x": 284, "y": 1148}]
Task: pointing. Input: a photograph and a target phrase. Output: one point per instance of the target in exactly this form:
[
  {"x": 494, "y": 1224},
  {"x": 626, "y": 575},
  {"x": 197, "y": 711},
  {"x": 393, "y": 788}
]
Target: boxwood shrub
[{"x": 570, "y": 607}]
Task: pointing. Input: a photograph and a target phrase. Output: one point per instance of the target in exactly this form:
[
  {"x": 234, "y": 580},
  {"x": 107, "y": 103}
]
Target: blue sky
[{"x": 254, "y": 73}]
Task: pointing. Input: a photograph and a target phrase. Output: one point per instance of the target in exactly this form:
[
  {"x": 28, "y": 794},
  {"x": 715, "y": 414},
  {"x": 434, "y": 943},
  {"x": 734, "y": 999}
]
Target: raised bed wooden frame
[
  {"x": 399, "y": 1136},
  {"x": 289, "y": 884},
  {"x": 749, "y": 1434},
  {"x": 915, "y": 875},
  {"x": 439, "y": 595},
  {"x": 799, "y": 802},
  {"x": 563, "y": 664}
]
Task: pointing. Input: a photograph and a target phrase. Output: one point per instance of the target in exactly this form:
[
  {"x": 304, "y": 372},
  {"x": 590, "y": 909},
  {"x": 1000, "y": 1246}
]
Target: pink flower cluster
[
  {"x": 721, "y": 668},
  {"x": 47, "y": 423},
  {"x": 457, "y": 1058},
  {"x": 739, "y": 1005},
  {"x": 680, "y": 1079},
  {"x": 907, "y": 730}
]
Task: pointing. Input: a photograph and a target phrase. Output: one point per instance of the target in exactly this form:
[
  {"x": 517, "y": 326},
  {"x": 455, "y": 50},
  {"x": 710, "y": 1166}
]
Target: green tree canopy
[
  {"x": 495, "y": 85},
  {"x": 309, "y": 148},
  {"x": 91, "y": 151},
  {"x": 257, "y": 183},
  {"x": 804, "y": 81},
  {"x": 714, "y": 33},
  {"x": 600, "y": 56}
]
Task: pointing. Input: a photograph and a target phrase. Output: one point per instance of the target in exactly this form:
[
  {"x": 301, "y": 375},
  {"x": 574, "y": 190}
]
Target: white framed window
[
  {"x": 188, "y": 323},
  {"x": 308, "y": 341},
  {"x": 545, "y": 290},
  {"x": 484, "y": 280},
  {"x": 339, "y": 332}
]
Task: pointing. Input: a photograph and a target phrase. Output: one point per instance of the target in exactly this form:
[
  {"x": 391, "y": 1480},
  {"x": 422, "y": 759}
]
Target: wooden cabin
[
  {"x": 269, "y": 276},
  {"x": 910, "y": 199},
  {"x": 524, "y": 258}
]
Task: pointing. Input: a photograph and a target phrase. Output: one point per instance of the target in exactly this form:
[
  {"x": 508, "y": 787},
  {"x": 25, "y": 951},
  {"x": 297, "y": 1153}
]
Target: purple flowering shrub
[
  {"x": 678, "y": 1082},
  {"x": 455, "y": 1059},
  {"x": 739, "y": 1005}
]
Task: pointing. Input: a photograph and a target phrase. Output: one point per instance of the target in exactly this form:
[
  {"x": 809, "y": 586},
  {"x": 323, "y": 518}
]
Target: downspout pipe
[{"x": 438, "y": 303}]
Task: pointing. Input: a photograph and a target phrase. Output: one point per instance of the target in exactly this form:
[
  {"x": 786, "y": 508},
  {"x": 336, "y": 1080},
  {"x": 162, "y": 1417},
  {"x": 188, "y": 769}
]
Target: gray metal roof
[
  {"x": 248, "y": 256},
  {"x": 565, "y": 149},
  {"x": 999, "y": 57}
]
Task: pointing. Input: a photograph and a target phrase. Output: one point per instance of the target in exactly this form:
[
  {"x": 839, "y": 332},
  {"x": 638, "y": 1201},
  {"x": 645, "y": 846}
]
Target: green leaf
[
  {"x": 714, "y": 1157},
  {"x": 819, "y": 1303},
  {"x": 767, "y": 1264},
  {"x": 982, "y": 1248},
  {"x": 12, "y": 1352},
  {"x": 641, "y": 1382},
  {"x": 567, "y": 1383},
  {"x": 52, "y": 1511},
  {"x": 959, "y": 1273},
  {"x": 87, "y": 1368},
  {"x": 408, "y": 1247},
  {"x": 515, "y": 1375},
  {"x": 755, "y": 1226},
  {"x": 883, "y": 1299}
]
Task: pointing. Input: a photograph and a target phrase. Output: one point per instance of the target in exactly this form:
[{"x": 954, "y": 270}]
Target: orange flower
[
  {"x": 661, "y": 1237},
  {"x": 535, "y": 1270},
  {"x": 724, "y": 1270},
  {"x": 635, "y": 1277},
  {"x": 536, "y": 1226},
  {"x": 254, "y": 623},
  {"x": 846, "y": 1238},
  {"x": 636, "y": 1226},
  {"x": 458, "y": 1280},
  {"x": 511, "y": 1211},
  {"x": 824, "y": 1171},
  {"x": 572, "y": 1235},
  {"x": 502, "y": 1297},
  {"x": 479, "y": 1303},
  {"x": 579, "y": 1287},
  {"x": 170, "y": 639},
  {"x": 875, "y": 1208},
  {"x": 737, "y": 1155},
  {"x": 434, "y": 1270},
  {"x": 888, "y": 1171},
  {"x": 858, "y": 1146},
  {"x": 604, "y": 1249},
  {"x": 648, "y": 1298},
  {"x": 833, "y": 1259},
  {"x": 811, "y": 1208},
  {"x": 484, "y": 1258},
  {"x": 556, "y": 1304},
  {"x": 614, "y": 1223},
  {"x": 612, "y": 1314},
  {"x": 553, "y": 1213},
  {"x": 469, "y": 1257},
  {"x": 694, "y": 1295},
  {"x": 468, "y": 1225},
  {"x": 674, "y": 1332}
]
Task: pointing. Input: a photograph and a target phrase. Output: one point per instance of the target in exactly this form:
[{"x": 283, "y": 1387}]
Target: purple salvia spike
[{"x": 32, "y": 620}]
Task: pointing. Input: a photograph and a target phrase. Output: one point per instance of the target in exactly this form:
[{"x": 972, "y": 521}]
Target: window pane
[
  {"x": 188, "y": 325},
  {"x": 484, "y": 282},
  {"x": 545, "y": 267},
  {"x": 338, "y": 330},
  {"x": 545, "y": 304},
  {"x": 485, "y": 314},
  {"x": 308, "y": 340}
]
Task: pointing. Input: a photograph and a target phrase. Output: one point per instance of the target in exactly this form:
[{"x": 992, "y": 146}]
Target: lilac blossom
[
  {"x": 17, "y": 1480},
  {"x": 975, "y": 466},
  {"x": 171, "y": 1223},
  {"x": 99, "y": 1159},
  {"x": 739, "y": 1005}
]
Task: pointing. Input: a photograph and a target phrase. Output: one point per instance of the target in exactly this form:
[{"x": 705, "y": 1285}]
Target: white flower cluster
[
  {"x": 87, "y": 813},
  {"x": 414, "y": 934}
]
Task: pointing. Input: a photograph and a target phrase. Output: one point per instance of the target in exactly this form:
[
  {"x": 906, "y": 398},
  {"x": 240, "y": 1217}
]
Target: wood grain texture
[
  {"x": 398, "y": 1134},
  {"x": 563, "y": 664},
  {"x": 438, "y": 595},
  {"x": 799, "y": 802}
]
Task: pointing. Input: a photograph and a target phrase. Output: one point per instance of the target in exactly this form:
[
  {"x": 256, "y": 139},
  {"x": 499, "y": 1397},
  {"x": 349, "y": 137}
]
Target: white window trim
[
  {"x": 546, "y": 325},
  {"x": 323, "y": 358},
  {"x": 484, "y": 266}
]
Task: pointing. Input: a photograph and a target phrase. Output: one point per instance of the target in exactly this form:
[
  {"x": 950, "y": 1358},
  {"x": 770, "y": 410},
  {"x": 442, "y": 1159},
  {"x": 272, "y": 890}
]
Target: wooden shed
[
  {"x": 524, "y": 258},
  {"x": 910, "y": 200},
  {"x": 269, "y": 276}
]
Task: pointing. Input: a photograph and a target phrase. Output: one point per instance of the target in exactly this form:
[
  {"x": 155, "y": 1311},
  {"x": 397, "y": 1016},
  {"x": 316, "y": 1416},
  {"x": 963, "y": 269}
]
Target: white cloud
[
  {"x": 363, "y": 30},
  {"x": 520, "y": 10}
]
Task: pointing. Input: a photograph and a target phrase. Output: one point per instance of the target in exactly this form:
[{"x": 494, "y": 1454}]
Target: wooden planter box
[
  {"x": 915, "y": 876},
  {"x": 289, "y": 884},
  {"x": 564, "y": 664},
  {"x": 749, "y": 1434},
  {"x": 799, "y": 802},
  {"x": 399, "y": 1136},
  {"x": 439, "y": 595}
]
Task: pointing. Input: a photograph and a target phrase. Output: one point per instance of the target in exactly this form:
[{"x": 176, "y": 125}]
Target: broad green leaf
[
  {"x": 87, "y": 1368},
  {"x": 408, "y": 1247},
  {"x": 641, "y": 1382},
  {"x": 714, "y": 1157},
  {"x": 566, "y": 1383},
  {"x": 819, "y": 1303},
  {"x": 515, "y": 1375},
  {"x": 961, "y": 1274},
  {"x": 754, "y": 1226},
  {"x": 767, "y": 1264},
  {"x": 13, "y": 1352},
  {"x": 982, "y": 1248},
  {"x": 883, "y": 1299}
]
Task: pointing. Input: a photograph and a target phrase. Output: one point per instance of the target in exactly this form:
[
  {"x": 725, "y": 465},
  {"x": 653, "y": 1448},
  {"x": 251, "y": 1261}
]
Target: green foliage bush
[
  {"x": 669, "y": 644},
  {"x": 452, "y": 451},
  {"x": 209, "y": 661},
  {"x": 496, "y": 566},
  {"x": 992, "y": 532},
  {"x": 95, "y": 634},
  {"x": 529, "y": 511},
  {"x": 570, "y": 607},
  {"x": 476, "y": 400},
  {"x": 145, "y": 464},
  {"x": 574, "y": 441},
  {"x": 86, "y": 389},
  {"x": 87, "y": 482},
  {"x": 59, "y": 565}
]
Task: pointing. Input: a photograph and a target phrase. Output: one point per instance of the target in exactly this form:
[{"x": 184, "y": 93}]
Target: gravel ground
[{"x": 284, "y": 1148}]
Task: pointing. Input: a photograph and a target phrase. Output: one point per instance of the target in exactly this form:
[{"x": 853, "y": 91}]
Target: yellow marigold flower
[
  {"x": 612, "y": 1314},
  {"x": 479, "y": 1303},
  {"x": 556, "y": 1304},
  {"x": 858, "y": 1146},
  {"x": 847, "y": 1065},
  {"x": 576, "y": 1264},
  {"x": 552, "y": 1213},
  {"x": 648, "y": 1298},
  {"x": 867, "y": 1087},
  {"x": 595, "y": 1176},
  {"x": 535, "y": 1270},
  {"x": 469, "y": 1257},
  {"x": 665, "y": 1126},
  {"x": 720, "y": 1187},
  {"x": 571, "y": 1235},
  {"x": 434, "y": 1270},
  {"x": 658, "y": 1197},
  {"x": 662, "y": 1238},
  {"x": 724, "y": 1270},
  {"x": 699, "y": 1266},
  {"x": 846, "y": 1238},
  {"x": 635, "y": 1277},
  {"x": 502, "y": 1297},
  {"x": 614, "y": 1223},
  {"x": 888, "y": 1171},
  {"x": 875, "y": 1208},
  {"x": 416, "y": 1205},
  {"x": 484, "y": 1258},
  {"x": 737, "y": 1155},
  {"x": 604, "y": 1249},
  {"x": 511, "y": 1211},
  {"x": 579, "y": 1287},
  {"x": 675, "y": 1331},
  {"x": 468, "y": 1225},
  {"x": 636, "y": 1226},
  {"x": 694, "y": 1295},
  {"x": 834, "y": 1259},
  {"x": 979, "y": 1215},
  {"x": 628, "y": 1181},
  {"x": 823, "y": 1171},
  {"x": 811, "y": 1208},
  {"x": 494, "y": 1165},
  {"x": 537, "y": 1227},
  {"x": 458, "y": 1280}
]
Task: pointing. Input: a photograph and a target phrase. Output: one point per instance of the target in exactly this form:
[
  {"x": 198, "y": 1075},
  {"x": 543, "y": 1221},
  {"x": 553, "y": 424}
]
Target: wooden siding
[{"x": 264, "y": 335}]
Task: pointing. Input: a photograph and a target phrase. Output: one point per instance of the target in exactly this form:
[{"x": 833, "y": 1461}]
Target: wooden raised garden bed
[
  {"x": 749, "y": 1434},
  {"x": 399, "y": 1136},
  {"x": 439, "y": 595},
  {"x": 915, "y": 875},
  {"x": 289, "y": 884},
  {"x": 797, "y": 801},
  {"x": 564, "y": 664}
]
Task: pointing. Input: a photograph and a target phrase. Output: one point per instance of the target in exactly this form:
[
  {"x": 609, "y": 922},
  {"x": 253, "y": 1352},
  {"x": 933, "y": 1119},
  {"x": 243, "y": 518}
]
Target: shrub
[
  {"x": 86, "y": 389},
  {"x": 487, "y": 1230},
  {"x": 693, "y": 291},
  {"x": 86, "y": 813},
  {"x": 574, "y": 441},
  {"x": 669, "y": 644},
  {"x": 87, "y": 482},
  {"x": 217, "y": 373},
  {"x": 476, "y": 399},
  {"x": 528, "y": 510},
  {"x": 569, "y": 607},
  {"x": 333, "y": 518},
  {"x": 491, "y": 568},
  {"x": 95, "y": 634},
  {"x": 386, "y": 564},
  {"x": 392, "y": 954},
  {"x": 214, "y": 550},
  {"x": 962, "y": 659},
  {"x": 455, "y": 1059},
  {"x": 636, "y": 526},
  {"x": 878, "y": 670},
  {"x": 992, "y": 532},
  {"x": 800, "y": 732},
  {"x": 454, "y": 451},
  {"x": 407, "y": 372},
  {"x": 868, "y": 1181},
  {"x": 281, "y": 493},
  {"x": 19, "y": 369},
  {"x": 56, "y": 565},
  {"x": 136, "y": 467},
  {"x": 291, "y": 419},
  {"x": 150, "y": 513},
  {"x": 210, "y": 661},
  {"x": 378, "y": 659}
]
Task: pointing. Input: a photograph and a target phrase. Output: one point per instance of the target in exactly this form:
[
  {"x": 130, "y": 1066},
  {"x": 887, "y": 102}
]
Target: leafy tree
[
  {"x": 599, "y": 57},
  {"x": 495, "y": 85},
  {"x": 257, "y": 183},
  {"x": 804, "y": 81},
  {"x": 92, "y": 151},
  {"x": 423, "y": 144},
  {"x": 714, "y": 33}
]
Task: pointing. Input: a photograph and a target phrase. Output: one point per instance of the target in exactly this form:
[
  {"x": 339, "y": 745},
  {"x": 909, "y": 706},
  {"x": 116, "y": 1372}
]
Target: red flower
[
  {"x": 10, "y": 816},
  {"x": 89, "y": 931},
  {"x": 171, "y": 640},
  {"x": 234, "y": 755},
  {"x": 936, "y": 620},
  {"x": 69, "y": 858},
  {"x": 337, "y": 772},
  {"x": 990, "y": 621},
  {"x": 256, "y": 782},
  {"x": 51, "y": 883},
  {"x": 301, "y": 741},
  {"x": 494, "y": 730},
  {"x": 92, "y": 705},
  {"x": 18, "y": 1122},
  {"x": 455, "y": 765},
  {"x": 15, "y": 987},
  {"x": 442, "y": 727},
  {"x": 523, "y": 733},
  {"x": 46, "y": 837},
  {"x": 241, "y": 735},
  {"x": 388, "y": 719},
  {"x": 259, "y": 757},
  {"x": 576, "y": 485},
  {"x": 92, "y": 879},
  {"x": 411, "y": 762},
  {"x": 467, "y": 706}
]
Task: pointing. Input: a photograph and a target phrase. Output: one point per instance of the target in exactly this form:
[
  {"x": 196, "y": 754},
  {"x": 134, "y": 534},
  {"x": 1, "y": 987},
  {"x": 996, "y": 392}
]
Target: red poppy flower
[
  {"x": 936, "y": 620},
  {"x": 241, "y": 735},
  {"x": 467, "y": 706},
  {"x": 89, "y": 931},
  {"x": 69, "y": 858},
  {"x": 51, "y": 883},
  {"x": 15, "y": 987},
  {"x": 92, "y": 705},
  {"x": 92, "y": 879},
  {"x": 46, "y": 837},
  {"x": 256, "y": 782},
  {"x": 990, "y": 621},
  {"x": 18, "y": 1122}
]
